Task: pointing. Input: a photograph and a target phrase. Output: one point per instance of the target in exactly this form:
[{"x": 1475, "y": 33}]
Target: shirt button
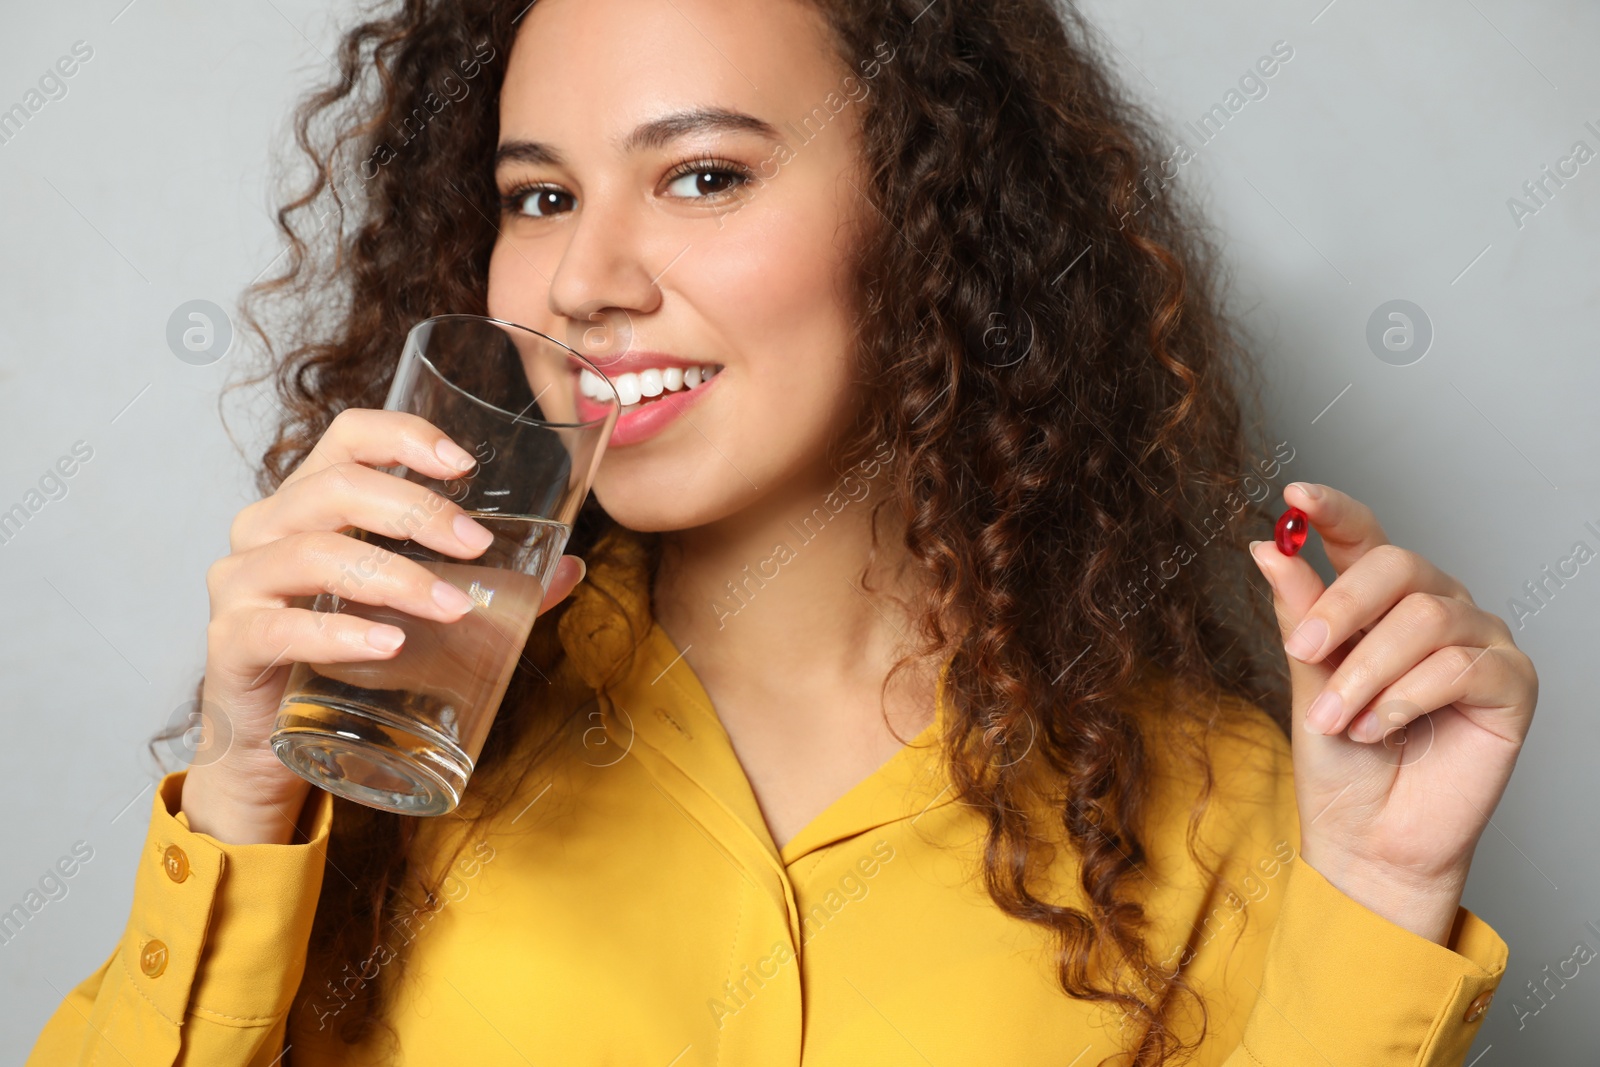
[
  {"x": 176, "y": 863},
  {"x": 1479, "y": 1005},
  {"x": 153, "y": 958}
]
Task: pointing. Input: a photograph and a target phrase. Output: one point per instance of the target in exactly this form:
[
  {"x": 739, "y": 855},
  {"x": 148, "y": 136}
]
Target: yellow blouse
[{"x": 632, "y": 908}]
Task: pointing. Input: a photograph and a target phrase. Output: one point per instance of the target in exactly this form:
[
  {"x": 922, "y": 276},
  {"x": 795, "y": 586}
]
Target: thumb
[
  {"x": 1295, "y": 588},
  {"x": 569, "y": 571}
]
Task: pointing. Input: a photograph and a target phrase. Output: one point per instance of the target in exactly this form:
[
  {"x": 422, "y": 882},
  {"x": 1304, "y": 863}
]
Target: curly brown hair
[{"x": 1042, "y": 339}]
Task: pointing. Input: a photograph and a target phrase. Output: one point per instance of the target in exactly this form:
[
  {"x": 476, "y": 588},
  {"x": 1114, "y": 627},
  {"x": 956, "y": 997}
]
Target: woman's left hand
[{"x": 1410, "y": 705}]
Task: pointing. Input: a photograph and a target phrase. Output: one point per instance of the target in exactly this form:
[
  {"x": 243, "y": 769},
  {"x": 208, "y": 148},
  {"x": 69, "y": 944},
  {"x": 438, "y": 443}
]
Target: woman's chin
[{"x": 652, "y": 509}]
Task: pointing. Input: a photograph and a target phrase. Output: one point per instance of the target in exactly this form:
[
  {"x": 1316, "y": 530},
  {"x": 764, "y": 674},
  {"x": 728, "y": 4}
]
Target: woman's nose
[{"x": 608, "y": 265}]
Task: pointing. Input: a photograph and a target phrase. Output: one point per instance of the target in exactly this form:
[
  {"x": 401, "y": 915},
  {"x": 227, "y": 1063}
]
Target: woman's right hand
[{"x": 288, "y": 546}]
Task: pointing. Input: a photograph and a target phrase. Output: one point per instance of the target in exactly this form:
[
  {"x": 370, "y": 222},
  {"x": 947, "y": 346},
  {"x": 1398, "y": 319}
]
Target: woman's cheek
[
  {"x": 773, "y": 293},
  {"x": 507, "y": 292}
]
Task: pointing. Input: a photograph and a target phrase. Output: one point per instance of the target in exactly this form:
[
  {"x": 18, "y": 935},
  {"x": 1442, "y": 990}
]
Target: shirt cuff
[
  {"x": 1339, "y": 976},
  {"x": 220, "y": 930}
]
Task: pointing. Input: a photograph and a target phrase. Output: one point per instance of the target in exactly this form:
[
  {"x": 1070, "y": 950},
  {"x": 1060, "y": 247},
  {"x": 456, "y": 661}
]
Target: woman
[{"x": 911, "y": 708}]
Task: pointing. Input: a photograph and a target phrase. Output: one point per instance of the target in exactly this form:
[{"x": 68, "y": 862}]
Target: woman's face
[{"x": 664, "y": 204}]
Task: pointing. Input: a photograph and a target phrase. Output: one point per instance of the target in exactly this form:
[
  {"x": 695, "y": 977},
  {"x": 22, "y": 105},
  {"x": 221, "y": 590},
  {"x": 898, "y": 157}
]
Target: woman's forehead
[{"x": 576, "y": 64}]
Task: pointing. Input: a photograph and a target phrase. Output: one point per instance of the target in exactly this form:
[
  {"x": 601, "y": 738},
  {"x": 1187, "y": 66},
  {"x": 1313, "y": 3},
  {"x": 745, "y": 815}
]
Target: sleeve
[
  {"x": 1340, "y": 984},
  {"x": 1343, "y": 985},
  {"x": 212, "y": 953}
]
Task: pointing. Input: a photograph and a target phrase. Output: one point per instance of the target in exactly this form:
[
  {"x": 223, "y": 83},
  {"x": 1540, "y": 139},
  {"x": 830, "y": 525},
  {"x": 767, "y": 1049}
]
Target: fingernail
[
  {"x": 450, "y": 598},
  {"x": 1266, "y": 571},
  {"x": 454, "y": 454},
  {"x": 386, "y": 638},
  {"x": 1324, "y": 712},
  {"x": 1311, "y": 490},
  {"x": 583, "y": 569},
  {"x": 472, "y": 535},
  {"x": 1307, "y": 639}
]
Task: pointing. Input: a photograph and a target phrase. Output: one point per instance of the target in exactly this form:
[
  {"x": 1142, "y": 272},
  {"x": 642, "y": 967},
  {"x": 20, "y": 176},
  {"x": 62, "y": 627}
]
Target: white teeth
[
  {"x": 627, "y": 388},
  {"x": 651, "y": 382}
]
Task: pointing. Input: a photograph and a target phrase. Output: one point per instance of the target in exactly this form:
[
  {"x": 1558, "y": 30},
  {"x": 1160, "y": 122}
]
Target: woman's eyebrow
[{"x": 652, "y": 134}]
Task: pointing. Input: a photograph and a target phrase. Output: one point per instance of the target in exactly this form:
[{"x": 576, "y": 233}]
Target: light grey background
[{"x": 1377, "y": 167}]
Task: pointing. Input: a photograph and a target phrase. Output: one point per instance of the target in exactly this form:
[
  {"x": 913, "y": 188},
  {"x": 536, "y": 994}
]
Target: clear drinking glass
[{"x": 403, "y": 734}]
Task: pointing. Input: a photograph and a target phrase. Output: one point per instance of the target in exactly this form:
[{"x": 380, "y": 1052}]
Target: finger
[
  {"x": 1348, "y": 528},
  {"x": 308, "y": 564},
  {"x": 351, "y": 495},
  {"x": 1295, "y": 588},
  {"x": 569, "y": 572},
  {"x": 1468, "y": 678},
  {"x": 1359, "y": 597},
  {"x": 248, "y": 644},
  {"x": 1416, "y": 628},
  {"x": 381, "y": 438},
  {"x": 484, "y": 644}
]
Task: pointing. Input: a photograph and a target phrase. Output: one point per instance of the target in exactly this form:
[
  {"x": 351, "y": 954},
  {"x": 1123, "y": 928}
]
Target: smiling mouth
[{"x": 638, "y": 388}]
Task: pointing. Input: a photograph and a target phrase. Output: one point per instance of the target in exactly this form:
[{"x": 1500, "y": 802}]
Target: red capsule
[{"x": 1290, "y": 532}]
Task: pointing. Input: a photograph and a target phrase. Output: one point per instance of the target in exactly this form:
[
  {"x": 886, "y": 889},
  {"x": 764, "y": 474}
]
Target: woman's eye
[
  {"x": 535, "y": 202},
  {"x": 705, "y": 182}
]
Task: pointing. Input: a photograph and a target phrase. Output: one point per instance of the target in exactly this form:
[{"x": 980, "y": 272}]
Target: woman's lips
[{"x": 648, "y": 418}]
